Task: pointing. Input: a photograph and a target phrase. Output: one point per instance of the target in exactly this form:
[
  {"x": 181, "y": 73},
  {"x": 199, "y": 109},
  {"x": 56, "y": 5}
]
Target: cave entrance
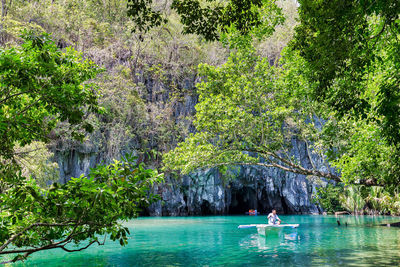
[
  {"x": 285, "y": 206},
  {"x": 272, "y": 200},
  {"x": 206, "y": 208},
  {"x": 243, "y": 200}
]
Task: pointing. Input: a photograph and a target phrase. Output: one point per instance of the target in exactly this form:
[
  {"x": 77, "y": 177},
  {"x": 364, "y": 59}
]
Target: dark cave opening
[
  {"x": 206, "y": 208},
  {"x": 144, "y": 212},
  {"x": 284, "y": 206},
  {"x": 186, "y": 209},
  {"x": 243, "y": 200}
]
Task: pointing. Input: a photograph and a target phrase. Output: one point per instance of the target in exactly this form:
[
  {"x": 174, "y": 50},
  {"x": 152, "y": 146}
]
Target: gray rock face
[
  {"x": 208, "y": 191},
  {"x": 252, "y": 187},
  {"x": 74, "y": 163}
]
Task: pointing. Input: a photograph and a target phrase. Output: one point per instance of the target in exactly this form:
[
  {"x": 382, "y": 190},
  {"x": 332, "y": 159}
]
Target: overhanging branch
[{"x": 276, "y": 161}]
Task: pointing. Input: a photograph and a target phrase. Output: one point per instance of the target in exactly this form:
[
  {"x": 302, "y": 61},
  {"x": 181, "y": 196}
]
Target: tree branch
[
  {"x": 11, "y": 96},
  {"x": 82, "y": 248},
  {"x": 290, "y": 166},
  {"x": 11, "y": 239}
]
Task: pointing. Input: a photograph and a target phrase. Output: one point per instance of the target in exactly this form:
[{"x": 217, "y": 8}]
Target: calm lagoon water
[{"x": 216, "y": 241}]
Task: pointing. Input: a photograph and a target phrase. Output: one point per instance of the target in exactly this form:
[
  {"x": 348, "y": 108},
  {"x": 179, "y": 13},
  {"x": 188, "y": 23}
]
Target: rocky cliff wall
[
  {"x": 251, "y": 187},
  {"x": 209, "y": 191}
]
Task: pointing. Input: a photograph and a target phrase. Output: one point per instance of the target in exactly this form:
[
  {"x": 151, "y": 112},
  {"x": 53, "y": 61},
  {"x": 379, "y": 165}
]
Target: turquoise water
[{"x": 216, "y": 241}]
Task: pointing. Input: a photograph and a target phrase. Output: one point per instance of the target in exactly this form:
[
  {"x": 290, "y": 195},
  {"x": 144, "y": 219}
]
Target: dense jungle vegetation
[{"x": 73, "y": 73}]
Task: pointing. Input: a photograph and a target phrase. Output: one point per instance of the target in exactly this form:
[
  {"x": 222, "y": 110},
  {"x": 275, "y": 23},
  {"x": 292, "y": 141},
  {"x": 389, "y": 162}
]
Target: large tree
[
  {"x": 350, "y": 45},
  {"x": 40, "y": 86},
  {"x": 248, "y": 114},
  {"x": 353, "y": 51},
  {"x": 75, "y": 215}
]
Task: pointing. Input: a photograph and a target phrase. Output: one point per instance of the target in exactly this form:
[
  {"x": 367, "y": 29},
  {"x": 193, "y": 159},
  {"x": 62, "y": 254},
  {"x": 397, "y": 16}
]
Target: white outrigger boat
[{"x": 262, "y": 228}]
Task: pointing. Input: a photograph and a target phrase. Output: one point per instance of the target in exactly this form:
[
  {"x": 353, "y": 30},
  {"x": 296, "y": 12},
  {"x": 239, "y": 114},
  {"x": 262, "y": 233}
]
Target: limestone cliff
[
  {"x": 252, "y": 187},
  {"x": 206, "y": 191}
]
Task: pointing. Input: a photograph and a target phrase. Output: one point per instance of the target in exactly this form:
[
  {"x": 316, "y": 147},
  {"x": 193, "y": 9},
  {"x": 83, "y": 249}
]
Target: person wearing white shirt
[{"x": 273, "y": 218}]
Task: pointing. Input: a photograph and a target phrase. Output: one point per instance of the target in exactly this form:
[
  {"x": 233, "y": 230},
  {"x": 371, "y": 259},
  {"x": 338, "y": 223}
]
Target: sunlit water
[{"x": 213, "y": 241}]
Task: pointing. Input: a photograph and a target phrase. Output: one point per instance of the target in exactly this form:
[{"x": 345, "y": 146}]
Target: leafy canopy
[
  {"x": 85, "y": 209},
  {"x": 40, "y": 86},
  {"x": 352, "y": 51},
  {"x": 211, "y": 17},
  {"x": 248, "y": 113},
  {"x": 328, "y": 197},
  {"x": 349, "y": 44}
]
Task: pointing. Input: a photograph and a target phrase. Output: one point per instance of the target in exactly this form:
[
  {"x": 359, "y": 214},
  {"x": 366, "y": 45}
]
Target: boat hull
[{"x": 263, "y": 229}]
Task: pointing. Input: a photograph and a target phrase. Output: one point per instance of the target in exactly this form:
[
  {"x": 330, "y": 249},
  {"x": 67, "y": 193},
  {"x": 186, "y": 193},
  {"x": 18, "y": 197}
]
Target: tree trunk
[{"x": 3, "y": 14}]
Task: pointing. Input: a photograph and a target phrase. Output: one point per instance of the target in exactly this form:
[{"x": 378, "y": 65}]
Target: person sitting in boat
[{"x": 273, "y": 218}]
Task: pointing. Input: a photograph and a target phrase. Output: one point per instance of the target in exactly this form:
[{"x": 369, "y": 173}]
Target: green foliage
[
  {"x": 40, "y": 85},
  {"x": 357, "y": 199},
  {"x": 352, "y": 51},
  {"x": 366, "y": 156},
  {"x": 209, "y": 18},
  {"x": 350, "y": 45},
  {"x": 78, "y": 23},
  {"x": 143, "y": 15},
  {"x": 353, "y": 199},
  {"x": 328, "y": 197},
  {"x": 84, "y": 209},
  {"x": 143, "y": 82},
  {"x": 380, "y": 201},
  {"x": 36, "y": 161},
  {"x": 248, "y": 113}
]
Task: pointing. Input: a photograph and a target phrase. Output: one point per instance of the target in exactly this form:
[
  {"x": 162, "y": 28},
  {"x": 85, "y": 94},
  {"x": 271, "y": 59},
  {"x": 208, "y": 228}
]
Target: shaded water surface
[{"x": 216, "y": 241}]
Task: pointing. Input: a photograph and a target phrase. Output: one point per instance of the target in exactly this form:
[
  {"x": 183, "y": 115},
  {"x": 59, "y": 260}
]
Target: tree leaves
[
  {"x": 210, "y": 18},
  {"x": 346, "y": 44},
  {"x": 41, "y": 85},
  {"x": 248, "y": 115},
  {"x": 33, "y": 217}
]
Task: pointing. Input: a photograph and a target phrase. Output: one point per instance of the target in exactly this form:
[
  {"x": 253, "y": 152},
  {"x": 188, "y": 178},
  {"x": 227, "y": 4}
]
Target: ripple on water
[{"x": 216, "y": 241}]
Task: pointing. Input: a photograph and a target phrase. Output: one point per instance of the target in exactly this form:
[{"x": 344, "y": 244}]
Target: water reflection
[
  {"x": 276, "y": 239},
  {"x": 199, "y": 241},
  {"x": 322, "y": 242}
]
